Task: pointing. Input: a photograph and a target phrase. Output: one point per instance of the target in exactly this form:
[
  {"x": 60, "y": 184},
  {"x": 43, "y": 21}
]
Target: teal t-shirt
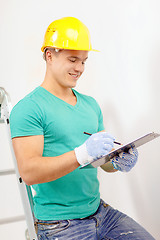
[{"x": 75, "y": 195}]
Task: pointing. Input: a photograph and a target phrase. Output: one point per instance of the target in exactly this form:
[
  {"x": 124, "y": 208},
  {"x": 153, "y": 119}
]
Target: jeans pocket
[
  {"x": 105, "y": 205},
  {"x": 52, "y": 229}
]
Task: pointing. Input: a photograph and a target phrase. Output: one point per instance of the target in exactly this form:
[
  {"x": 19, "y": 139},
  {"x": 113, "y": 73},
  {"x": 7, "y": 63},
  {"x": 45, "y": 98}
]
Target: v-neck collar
[{"x": 70, "y": 105}]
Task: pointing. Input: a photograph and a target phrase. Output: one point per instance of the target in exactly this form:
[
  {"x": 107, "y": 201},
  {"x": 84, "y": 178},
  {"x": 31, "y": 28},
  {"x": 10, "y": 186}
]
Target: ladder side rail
[
  {"x": 6, "y": 109},
  {"x": 25, "y": 200},
  {"x": 30, "y": 196},
  {"x": 10, "y": 219}
]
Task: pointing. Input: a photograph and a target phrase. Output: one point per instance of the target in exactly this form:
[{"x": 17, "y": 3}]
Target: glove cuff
[{"x": 82, "y": 155}]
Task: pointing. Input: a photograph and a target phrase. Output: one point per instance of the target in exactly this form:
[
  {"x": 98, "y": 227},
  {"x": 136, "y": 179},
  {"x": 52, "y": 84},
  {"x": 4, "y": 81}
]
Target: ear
[{"x": 49, "y": 56}]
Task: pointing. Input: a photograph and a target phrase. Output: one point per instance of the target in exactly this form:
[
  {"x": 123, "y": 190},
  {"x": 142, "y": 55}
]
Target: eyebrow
[{"x": 78, "y": 58}]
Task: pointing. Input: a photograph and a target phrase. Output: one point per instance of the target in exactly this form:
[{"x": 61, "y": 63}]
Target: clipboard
[{"x": 136, "y": 143}]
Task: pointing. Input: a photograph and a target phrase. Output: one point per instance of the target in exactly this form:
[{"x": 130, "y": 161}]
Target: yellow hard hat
[{"x": 67, "y": 33}]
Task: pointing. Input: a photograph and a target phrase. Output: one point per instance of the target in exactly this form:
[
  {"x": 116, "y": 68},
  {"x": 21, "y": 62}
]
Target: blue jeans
[{"x": 106, "y": 223}]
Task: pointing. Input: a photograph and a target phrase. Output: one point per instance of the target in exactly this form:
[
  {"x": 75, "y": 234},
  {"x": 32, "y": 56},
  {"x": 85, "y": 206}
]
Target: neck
[{"x": 56, "y": 89}]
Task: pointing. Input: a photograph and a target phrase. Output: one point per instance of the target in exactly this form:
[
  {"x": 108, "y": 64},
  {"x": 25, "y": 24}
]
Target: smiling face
[{"x": 66, "y": 66}]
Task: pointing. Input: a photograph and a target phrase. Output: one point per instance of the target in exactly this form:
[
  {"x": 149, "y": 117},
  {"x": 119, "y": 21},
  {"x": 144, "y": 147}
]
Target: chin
[{"x": 72, "y": 85}]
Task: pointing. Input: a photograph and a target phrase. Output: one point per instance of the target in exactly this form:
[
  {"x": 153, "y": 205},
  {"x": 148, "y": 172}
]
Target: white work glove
[
  {"x": 125, "y": 161},
  {"x": 96, "y": 146}
]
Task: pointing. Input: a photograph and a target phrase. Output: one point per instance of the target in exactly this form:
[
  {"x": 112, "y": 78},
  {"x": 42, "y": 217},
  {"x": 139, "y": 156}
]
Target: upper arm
[
  {"x": 27, "y": 148},
  {"x": 26, "y": 132}
]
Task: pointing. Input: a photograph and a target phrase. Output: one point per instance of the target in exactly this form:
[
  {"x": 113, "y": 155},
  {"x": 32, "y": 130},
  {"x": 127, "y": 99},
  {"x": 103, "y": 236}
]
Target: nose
[{"x": 79, "y": 67}]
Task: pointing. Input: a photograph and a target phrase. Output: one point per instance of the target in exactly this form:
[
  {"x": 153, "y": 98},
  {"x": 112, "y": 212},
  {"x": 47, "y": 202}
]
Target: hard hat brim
[{"x": 94, "y": 50}]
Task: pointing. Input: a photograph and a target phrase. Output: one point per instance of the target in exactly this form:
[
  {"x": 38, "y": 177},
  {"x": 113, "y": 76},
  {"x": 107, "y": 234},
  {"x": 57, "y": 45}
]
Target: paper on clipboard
[{"x": 136, "y": 143}]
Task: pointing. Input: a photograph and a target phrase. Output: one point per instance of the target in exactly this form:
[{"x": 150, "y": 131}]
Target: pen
[{"x": 91, "y": 134}]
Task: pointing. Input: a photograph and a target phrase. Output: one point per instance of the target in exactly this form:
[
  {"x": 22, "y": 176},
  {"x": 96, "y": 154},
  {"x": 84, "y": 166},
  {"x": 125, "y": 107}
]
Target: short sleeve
[
  {"x": 101, "y": 124},
  {"x": 26, "y": 119}
]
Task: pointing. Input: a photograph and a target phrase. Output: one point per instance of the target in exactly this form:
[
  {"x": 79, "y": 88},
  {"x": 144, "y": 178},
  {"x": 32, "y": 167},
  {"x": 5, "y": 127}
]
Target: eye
[{"x": 72, "y": 60}]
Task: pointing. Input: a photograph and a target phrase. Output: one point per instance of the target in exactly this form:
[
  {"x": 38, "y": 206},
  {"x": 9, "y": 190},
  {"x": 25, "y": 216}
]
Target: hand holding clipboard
[{"x": 136, "y": 143}]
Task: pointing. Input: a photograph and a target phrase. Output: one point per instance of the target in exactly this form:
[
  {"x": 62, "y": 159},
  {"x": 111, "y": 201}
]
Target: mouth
[{"x": 75, "y": 76}]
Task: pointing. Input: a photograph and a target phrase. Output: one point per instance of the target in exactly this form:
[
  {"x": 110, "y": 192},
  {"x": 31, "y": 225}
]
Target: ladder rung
[
  {"x": 12, "y": 219},
  {"x": 1, "y": 120},
  {"x": 7, "y": 172}
]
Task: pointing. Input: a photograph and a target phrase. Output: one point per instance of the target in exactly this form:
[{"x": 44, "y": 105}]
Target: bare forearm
[
  {"x": 34, "y": 168},
  {"x": 46, "y": 169}
]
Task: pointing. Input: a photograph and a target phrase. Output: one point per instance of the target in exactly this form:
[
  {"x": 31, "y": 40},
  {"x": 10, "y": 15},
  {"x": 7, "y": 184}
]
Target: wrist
[{"x": 82, "y": 155}]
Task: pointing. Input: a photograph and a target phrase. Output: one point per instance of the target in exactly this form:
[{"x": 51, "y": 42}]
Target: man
[{"x": 47, "y": 129}]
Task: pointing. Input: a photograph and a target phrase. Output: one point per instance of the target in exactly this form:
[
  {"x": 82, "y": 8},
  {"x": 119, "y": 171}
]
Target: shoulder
[
  {"x": 28, "y": 107},
  {"x": 85, "y": 97},
  {"x": 29, "y": 102},
  {"x": 88, "y": 99},
  {"x": 26, "y": 117}
]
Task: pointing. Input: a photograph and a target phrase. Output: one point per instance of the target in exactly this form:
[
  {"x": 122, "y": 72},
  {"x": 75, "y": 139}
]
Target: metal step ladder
[{"x": 25, "y": 191}]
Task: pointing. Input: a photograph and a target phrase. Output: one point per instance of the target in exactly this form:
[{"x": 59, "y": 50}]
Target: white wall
[{"x": 123, "y": 77}]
